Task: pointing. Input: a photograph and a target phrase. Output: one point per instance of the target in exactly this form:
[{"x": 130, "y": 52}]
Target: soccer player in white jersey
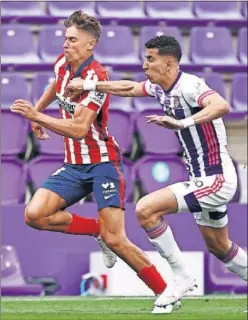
[
  {"x": 92, "y": 162},
  {"x": 194, "y": 111}
]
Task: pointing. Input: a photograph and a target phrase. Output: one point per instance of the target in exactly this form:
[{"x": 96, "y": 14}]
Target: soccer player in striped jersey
[
  {"x": 194, "y": 111},
  {"x": 92, "y": 156}
]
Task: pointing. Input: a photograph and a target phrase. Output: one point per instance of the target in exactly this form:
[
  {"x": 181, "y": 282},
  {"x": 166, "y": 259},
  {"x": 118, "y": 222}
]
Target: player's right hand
[{"x": 39, "y": 131}]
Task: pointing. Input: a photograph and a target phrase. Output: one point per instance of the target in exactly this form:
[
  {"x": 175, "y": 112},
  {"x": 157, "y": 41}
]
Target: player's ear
[{"x": 92, "y": 44}]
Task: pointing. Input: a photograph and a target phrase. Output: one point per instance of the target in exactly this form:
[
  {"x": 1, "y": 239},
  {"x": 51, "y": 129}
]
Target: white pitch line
[{"x": 78, "y": 298}]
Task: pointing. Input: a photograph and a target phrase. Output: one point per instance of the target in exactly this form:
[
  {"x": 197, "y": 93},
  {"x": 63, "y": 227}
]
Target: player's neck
[
  {"x": 169, "y": 79},
  {"x": 75, "y": 64}
]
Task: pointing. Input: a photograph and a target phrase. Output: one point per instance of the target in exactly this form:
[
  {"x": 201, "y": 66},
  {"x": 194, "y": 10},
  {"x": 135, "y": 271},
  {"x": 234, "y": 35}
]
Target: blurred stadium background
[{"x": 213, "y": 36}]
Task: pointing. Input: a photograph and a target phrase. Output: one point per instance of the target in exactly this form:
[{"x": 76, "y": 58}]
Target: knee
[
  {"x": 143, "y": 212},
  {"x": 33, "y": 217},
  {"x": 115, "y": 242}
]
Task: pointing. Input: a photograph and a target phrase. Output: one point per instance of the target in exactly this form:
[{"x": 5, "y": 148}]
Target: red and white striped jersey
[{"x": 98, "y": 145}]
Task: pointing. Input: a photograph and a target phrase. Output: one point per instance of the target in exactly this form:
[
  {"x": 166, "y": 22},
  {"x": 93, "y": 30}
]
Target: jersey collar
[
  {"x": 174, "y": 83},
  {"x": 81, "y": 67}
]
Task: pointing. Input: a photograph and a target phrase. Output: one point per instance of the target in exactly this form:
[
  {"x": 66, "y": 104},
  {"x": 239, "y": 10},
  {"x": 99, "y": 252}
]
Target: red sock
[
  {"x": 152, "y": 279},
  {"x": 81, "y": 225}
]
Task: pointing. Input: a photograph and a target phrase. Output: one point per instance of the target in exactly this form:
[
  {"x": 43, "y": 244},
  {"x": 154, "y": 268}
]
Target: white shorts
[{"x": 207, "y": 197}]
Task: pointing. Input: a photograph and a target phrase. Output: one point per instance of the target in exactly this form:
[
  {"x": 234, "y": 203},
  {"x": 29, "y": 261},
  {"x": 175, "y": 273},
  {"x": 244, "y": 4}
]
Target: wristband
[
  {"x": 187, "y": 122},
  {"x": 89, "y": 85}
]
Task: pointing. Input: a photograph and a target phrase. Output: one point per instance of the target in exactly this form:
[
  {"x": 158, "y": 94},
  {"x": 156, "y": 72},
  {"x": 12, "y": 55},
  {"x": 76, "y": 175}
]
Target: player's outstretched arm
[
  {"x": 123, "y": 88},
  {"x": 75, "y": 128}
]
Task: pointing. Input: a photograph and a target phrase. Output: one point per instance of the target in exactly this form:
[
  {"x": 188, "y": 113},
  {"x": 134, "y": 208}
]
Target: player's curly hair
[
  {"x": 166, "y": 45},
  {"x": 83, "y": 21}
]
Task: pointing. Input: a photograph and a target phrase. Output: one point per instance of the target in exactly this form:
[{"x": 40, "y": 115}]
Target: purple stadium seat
[
  {"x": 116, "y": 102},
  {"x": 14, "y": 127},
  {"x": 149, "y": 32},
  {"x": 40, "y": 168},
  {"x": 169, "y": 10},
  {"x": 120, "y": 9},
  {"x": 244, "y": 8},
  {"x": 214, "y": 10},
  {"x": 39, "y": 84},
  {"x": 112, "y": 49},
  {"x": 242, "y": 45},
  {"x": 13, "y": 180},
  {"x": 18, "y": 8},
  {"x": 66, "y": 8},
  {"x": 212, "y": 46},
  {"x": 119, "y": 122},
  {"x": 155, "y": 139},
  {"x": 51, "y": 42},
  {"x": 12, "y": 280},
  {"x": 156, "y": 172},
  {"x": 54, "y": 145},
  {"x": 18, "y": 51},
  {"x": 214, "y": 81},
  {"x": 239, "y": 92},
  {"x": 14, "y": 86}
]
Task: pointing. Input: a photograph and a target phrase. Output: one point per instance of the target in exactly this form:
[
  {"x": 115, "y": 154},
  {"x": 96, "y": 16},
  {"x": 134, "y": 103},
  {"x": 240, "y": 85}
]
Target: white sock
[
  {"x": 236, "y": 261},
  {"x": 163, "y": 240}
]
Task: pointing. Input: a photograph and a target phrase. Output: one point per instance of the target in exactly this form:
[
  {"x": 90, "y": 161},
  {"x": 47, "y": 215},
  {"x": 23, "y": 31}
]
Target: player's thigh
[
  {"x": 62, "y": 189},
  {"x": 109, "y": 185},
  {"x": 162, "y": 201}
]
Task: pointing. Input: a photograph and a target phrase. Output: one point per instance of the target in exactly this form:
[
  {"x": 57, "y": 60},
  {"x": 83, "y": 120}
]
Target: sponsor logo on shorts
[
  {"x": 109, "y": 190},
  {"x": 198, "y": 183}
]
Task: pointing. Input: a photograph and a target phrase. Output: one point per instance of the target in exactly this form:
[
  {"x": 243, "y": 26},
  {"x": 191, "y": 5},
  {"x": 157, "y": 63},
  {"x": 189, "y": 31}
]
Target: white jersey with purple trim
[{"x": 204, "y": 145}]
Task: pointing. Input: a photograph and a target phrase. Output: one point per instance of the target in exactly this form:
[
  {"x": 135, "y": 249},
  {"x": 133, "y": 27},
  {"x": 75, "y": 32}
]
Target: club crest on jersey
[{"x": 177, "y": 104}]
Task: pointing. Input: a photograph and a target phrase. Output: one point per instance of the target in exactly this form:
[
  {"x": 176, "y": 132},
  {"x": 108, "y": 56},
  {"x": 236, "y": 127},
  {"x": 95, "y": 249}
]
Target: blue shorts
[{"x": 74, "y": 182}]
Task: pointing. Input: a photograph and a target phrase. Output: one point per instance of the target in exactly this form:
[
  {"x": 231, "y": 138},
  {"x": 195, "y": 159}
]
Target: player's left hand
[
  {"x": 165, "y": 121},
  {"x": 25, "y": 109}
]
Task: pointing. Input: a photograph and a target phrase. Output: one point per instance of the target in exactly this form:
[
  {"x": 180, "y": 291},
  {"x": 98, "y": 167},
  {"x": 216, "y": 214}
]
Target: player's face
[
  {"x": 156, "y": 66},
  {"x": 78, "y": 44}
]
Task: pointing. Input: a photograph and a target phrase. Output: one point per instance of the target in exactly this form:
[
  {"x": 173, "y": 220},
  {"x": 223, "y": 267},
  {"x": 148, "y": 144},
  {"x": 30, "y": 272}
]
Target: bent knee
[
  {"x": 143, "y": 211},
  {"x": 114, "y": 241},
  {"x": 33, "y": 217}
]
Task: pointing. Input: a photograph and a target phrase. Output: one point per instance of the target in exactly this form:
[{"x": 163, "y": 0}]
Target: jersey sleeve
[
  {"x": 94, "y": 100},
  {"x": 149, "y": 88},
  {"x": 195, "y": 90}
]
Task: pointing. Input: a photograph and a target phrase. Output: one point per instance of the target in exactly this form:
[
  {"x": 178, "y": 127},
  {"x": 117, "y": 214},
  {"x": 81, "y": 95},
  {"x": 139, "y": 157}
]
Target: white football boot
[
  {"x": 109, "y": 257},
  {"x": 167, "y": 309},
  {"x": 184, "y": 284},
  {"x": 168, "y": 300}
]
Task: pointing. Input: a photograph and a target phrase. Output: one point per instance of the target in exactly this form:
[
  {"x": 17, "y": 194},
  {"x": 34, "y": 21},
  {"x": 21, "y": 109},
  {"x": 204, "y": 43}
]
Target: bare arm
[
  {"x": 123, "y": 88},
  {"x": 214, "y": 107},
  {"x": 48, "y": 97},
  {"x": 75, "y": 128}
]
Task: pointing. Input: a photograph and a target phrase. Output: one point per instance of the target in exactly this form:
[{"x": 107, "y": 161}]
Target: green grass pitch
[{"x": 118, "y": 308}]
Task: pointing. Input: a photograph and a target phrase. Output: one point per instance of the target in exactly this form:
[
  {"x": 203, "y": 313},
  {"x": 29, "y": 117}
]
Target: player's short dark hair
[
  {"x": 83, "y": 21},
  {"x": 166, "y": 45}
]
